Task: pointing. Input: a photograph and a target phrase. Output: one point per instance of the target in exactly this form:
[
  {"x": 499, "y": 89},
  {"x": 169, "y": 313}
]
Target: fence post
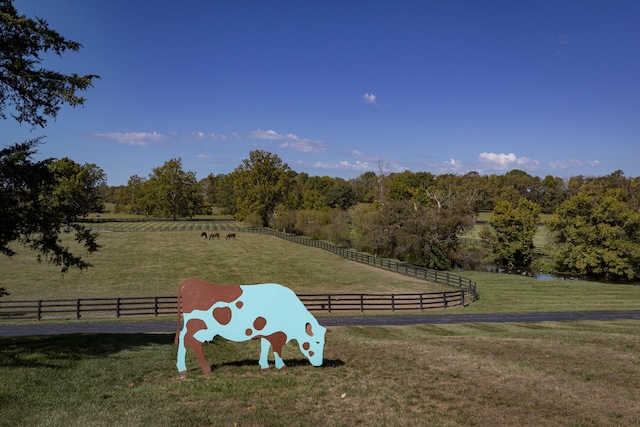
[
  {"x": 329, "y": 302},
  {"x": 462, "y": 297},
  {"x": 421, "y": 306},
  {"x": 155, "y": 307},
  {"x": 77, "y": 308},
  {"x": 393, "y": 302},
  {"x": 361, "y": 303},
  {"x": 118, "y": 308},
  {"x": 39, "y": 309}
]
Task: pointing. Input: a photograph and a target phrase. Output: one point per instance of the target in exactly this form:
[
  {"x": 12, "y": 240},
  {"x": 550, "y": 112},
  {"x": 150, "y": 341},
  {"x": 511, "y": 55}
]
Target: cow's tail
[{"x": 176, "y": 340}]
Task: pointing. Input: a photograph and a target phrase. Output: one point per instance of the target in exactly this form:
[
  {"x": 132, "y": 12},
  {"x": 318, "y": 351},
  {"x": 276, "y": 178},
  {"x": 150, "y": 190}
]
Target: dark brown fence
[{"x": 167, "y": 305}]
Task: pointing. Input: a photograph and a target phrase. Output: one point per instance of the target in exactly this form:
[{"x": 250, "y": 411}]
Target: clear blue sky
[{"x": 338, "y": 88}]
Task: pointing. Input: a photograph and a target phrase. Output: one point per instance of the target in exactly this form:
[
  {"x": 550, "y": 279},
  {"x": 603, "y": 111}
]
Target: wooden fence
[
  {"x": 464, "y": 294},
  {"x": 167, "y": 305}
]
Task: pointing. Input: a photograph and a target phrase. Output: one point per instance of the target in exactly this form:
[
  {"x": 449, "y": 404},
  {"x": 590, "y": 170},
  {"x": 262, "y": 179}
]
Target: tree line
[{"x": 416, "y": 217}]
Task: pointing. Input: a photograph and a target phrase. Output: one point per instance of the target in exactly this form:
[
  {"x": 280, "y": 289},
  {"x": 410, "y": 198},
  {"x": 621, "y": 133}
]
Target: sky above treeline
[{"x": 339, "y": 88}]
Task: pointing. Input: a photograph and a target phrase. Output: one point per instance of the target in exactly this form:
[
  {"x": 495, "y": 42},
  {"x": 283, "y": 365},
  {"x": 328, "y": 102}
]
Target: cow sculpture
[{"x": 269, "y": 312}]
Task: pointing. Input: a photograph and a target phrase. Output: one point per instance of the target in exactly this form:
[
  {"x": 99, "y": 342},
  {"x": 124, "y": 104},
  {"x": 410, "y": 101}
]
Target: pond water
[{"x": 539, "y": 275}]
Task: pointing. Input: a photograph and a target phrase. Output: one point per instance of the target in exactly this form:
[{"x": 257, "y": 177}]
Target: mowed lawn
[
  {"x": 552, "y": 373},
  {"x": 153, "y": 263},
  {"x": 533, "y": 374}
]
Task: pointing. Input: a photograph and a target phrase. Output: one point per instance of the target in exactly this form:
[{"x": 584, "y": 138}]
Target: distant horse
[
  {"x": 203, "y": 234},
  {"x": 214, "y": 235},
  {"x": 231, "y": 236}
]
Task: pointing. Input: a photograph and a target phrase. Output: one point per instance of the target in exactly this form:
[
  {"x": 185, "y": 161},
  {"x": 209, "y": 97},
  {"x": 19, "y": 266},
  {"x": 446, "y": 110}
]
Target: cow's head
[{"x": 312, "y": 343}]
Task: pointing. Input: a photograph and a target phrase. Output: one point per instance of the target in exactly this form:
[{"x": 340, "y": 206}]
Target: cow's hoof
[
  {"x": 182, "y": 375},
  {"x": 283, "y": 369},
  {"x": 265, "y": 370}
]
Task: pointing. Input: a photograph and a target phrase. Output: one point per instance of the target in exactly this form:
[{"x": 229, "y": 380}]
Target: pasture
[
  {"x": 554, "y": 373},
  {"x": 564, "y": 374}
]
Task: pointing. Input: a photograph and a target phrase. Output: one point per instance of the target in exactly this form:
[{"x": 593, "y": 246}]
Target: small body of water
[{"x": 539, "y": 275}]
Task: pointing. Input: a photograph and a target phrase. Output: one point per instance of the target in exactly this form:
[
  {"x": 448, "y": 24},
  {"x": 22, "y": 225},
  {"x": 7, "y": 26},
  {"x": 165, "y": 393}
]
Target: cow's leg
[
  {"x": 264, "y": 354},
  {"x": 277, "y": 341},
  {"x": 187, "y": 339},
  {"x": 181, "y": 364}
]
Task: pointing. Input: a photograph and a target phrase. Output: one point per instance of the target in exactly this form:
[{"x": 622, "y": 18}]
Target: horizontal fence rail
[
  {"x": 329, "y": 303},
  {"x": 167, "y": 305}
]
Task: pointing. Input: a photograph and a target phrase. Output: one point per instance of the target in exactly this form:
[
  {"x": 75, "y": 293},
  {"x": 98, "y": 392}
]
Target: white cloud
[
  {"x": 572, "y": 163},
  {"x": 452, "y": 165},
  {"x": 357, "y": 166},
  {"x": 197, "y": 135},
  {"x": 369, "y": 98},
  {"x": 509, "y": 161},
  {"x": 223, "y": 137},
  {"x": 290, "y": 141},
  {"x": 563, "y": 39},
  {"x": 133, "y": 138}
]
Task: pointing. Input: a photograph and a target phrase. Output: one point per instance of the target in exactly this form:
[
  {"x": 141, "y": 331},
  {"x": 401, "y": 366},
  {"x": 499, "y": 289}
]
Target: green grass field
[{"x": 552, "y": 373}]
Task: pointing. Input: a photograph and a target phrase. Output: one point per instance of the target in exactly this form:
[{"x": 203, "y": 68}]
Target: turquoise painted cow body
[{"x": 269, "y": 312}]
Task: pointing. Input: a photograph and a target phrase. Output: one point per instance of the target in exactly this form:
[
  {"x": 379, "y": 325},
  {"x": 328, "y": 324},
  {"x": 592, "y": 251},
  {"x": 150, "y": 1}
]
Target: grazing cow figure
[
  {"x": 269, "y": 312},
  {"x": 214, "y": 235},
  {"x": 203, "y": 234},
  {"x": 231, "y": 236}
]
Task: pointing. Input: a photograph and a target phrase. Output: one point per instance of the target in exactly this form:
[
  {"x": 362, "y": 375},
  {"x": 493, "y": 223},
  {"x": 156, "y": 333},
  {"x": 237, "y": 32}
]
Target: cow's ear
[{"x": 309, "y": 329}]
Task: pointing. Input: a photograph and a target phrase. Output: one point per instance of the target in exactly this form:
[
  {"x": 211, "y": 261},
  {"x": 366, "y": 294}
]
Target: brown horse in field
[
  {"x": 203, "y": 234},
  {"x": 214, "y": 235},
  {"x": 231, "y": 236}
]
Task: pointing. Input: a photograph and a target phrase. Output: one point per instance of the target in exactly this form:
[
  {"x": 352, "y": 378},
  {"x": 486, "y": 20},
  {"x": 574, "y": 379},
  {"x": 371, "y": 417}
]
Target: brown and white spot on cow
[
  {"x": 200, "y": 295},
  {"x": 222, "y": 315},
  {"x": 239, "y": 304},
  {"x": 248, "y": 332},
  {"x": 309, "y": 329},
  {"x": 259, "y": 323}
]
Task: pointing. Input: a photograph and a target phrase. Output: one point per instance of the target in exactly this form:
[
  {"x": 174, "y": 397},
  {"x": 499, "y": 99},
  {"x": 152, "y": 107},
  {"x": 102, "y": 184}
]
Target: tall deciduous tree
[
  {"x": 78, "y": 189},
  {"x": 510, "y": 235},
  {"x": 30, "y": 215},
  {"x": 30, "y": 94},
  {"x": 260, "y": 183},
  {"x": 176, "y": 192},
  {"x": 596, "y": 234}
]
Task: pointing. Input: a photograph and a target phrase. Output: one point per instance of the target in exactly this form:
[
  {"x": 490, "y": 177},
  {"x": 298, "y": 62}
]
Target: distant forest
[{"x": 417, "y": 217}]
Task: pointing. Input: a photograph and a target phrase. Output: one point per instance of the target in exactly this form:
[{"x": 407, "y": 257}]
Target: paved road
[{"x": 167, "y": 326}]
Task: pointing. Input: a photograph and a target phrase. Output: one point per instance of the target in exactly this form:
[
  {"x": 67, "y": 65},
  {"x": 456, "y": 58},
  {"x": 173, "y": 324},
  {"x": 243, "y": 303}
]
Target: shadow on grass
[
  {"x": 289, "y": 363},
  {"x": 44, "y": 351}
]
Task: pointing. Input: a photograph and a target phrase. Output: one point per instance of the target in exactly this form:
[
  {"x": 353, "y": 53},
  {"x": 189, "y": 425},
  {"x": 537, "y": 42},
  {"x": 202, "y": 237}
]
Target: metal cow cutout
[{"x": 269, "y": 312}]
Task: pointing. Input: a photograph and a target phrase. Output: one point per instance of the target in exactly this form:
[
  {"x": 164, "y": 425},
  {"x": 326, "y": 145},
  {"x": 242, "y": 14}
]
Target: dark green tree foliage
[
  {"x": 510, "y": 235},
  {"x": 596, "y": 234},
  {"x": 218, "y": 190},
  {"x": 32, "y": 214},
  {"x": 410, "y": 185},
  {"x": 261, "y": 183},
  {"x": 78, "y": 189},
  {"x": 425, "y": 234},
  {"x": 340, "y": 195},
  {"x": 175, "y": 193},
  {"x": 32, "y": 92},
  {"x": 365, "y": 187}
]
